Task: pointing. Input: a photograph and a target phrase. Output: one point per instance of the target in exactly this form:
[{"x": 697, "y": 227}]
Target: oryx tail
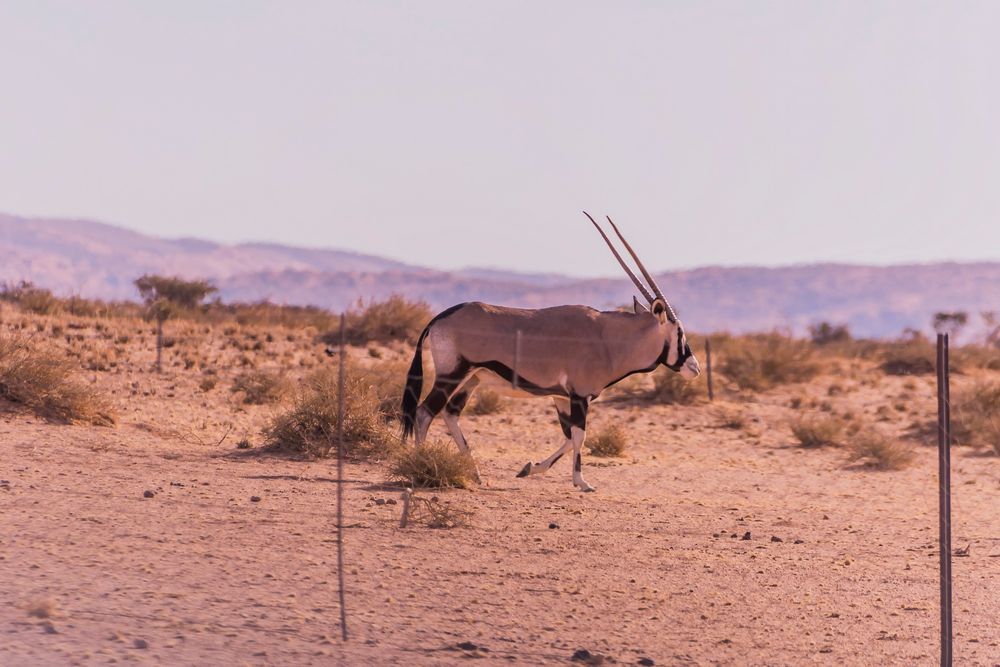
[{"x": 414, "y": 385}]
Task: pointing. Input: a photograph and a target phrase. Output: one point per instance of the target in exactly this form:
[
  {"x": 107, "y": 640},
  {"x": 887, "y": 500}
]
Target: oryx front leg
[
  {"x": 452, "y": 410},
  {"x": 578, "y": 432},
  {"x": 563, "y": 411}
]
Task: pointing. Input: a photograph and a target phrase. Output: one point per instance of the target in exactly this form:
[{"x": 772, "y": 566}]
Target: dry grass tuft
[
  {"x": 975, "y": 416},
  {"x": 908, "y": 357},
  {"x": 670, "y": 388},
  {"x": 310, "y": 425},
  {"x": 436, "y": 514},
  {"x": 41, "y": 608},
  {"x": 384, "y": 321},
  {"x": 45, "y": 381},
  {"x": 433, "y": 465},
  {"x": 387, "y": 379},
  {"x": 876, "y": 450},
  {"x": 732, "y": 418},
  {"x": 609, "y": 441},
  {"x": 486, "y": 402},
  {"x": 818, "y": 430},
  {"x": 762, "y": 361},
  {"x": 261, "y": 387}
]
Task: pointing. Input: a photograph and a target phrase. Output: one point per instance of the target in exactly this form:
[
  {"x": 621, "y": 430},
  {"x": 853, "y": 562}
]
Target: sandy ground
[{"x": 840, "y": 566}]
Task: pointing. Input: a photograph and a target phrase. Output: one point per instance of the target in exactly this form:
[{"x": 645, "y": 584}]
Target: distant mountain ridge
[{"x": 98, "y": 260}]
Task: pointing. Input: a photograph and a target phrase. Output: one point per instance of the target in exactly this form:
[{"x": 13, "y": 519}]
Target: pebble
[
  {"x": 775, "y": 538},
  {"x": 380, "y": 501},
  {"x": 746, "y": 535},
  {"x": 148, "y": 494},
  {"x": 255, "y": 499},
  {"x": 647, "y": 662},
  {"x": 553, "y": 525},
  {"x": 140, "y": 643}
]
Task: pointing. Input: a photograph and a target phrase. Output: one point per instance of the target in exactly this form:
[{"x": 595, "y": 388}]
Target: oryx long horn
[
  {"x": 645, "y": 273},
  {"x": 621, "y": 261}
]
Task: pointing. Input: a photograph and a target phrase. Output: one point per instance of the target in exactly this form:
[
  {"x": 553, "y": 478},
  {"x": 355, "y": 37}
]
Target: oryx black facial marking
[{"x": 568, "y": 353}]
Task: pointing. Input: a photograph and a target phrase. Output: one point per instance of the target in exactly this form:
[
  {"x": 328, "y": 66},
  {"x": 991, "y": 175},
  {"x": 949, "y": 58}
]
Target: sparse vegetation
[
  {"x": 394, "y": 319},
  {"x": 485, "y": 402},
  {"x": 46, "y": 382},
  {"x": 825, "y": 333},
  {"x": 975, "y": 416},
  {"x": 670, "y": 388},
  {"x": 759, "y": 362},
  {"x": 433, "y": 465},
  {"x": 915, "y": 356},
  {"x": 261, "y": 387},
  {"x": 818, "y": 430},
  {"x": 878, "y": 451},
  {"x": 310, "y": 425},
  {"x": 609, "y": 441}
]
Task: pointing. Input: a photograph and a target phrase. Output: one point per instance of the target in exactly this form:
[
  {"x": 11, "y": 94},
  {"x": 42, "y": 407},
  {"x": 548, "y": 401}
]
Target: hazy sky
[{"x": 473, "y": 133}]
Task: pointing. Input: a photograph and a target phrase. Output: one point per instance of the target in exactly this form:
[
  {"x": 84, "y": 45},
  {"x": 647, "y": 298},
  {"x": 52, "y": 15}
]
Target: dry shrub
[
  {"x": 818, "y": 430},
  {"x": 436, "y": 514},
  {"x": 30, "y": 298},
  {"x": 762, "y": 361},
  {"x": 310, "y": 425},
  {"x": 486, "y": 402},
  {"x": 970, "y": 357},
  {"x": 975, "y": 416},
  {"x": 732, "y": 418},
  {"x": 261, "y": 387},
  {"x": 670, "y": 388},
  {"x": 609, "y": 441},
  {"x": 387, "y": 379},
  {"x": 433, "y": 465},
  {"x": 909, "y": 357},
  {"x": 876, "y": 450},
  {"x": 45, "y": 381},
  {"x": 384, "y": 321}
]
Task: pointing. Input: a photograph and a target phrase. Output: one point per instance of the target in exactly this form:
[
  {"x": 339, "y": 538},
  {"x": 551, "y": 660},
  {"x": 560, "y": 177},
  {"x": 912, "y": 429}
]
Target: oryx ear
[
  {"x": 638, "y": 307},
  {"x": 659, "y": 308}
]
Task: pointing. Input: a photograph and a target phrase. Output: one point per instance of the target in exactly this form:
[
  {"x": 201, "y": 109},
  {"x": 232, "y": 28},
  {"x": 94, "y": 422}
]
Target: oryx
[{"x": 570, "y": 353}]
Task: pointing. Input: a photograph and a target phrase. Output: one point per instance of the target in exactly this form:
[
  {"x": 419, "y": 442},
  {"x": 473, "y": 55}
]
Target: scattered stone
[
  {"x": 647, "y": 662},
  {"x": 391, "y": 501},
  {"x": 746, "y": 535},
  {"x": 775, "y": 538},
  {"x": 380, "y": 501},
  {"x": 140, "y": 643},
  {"x": 588, "y": 658},
  {"x": 799, "y": 542},
  {"x": 255, "y": 499},
  {"x": 469, "y": 646},
  {"x": 553, "y": 525},
  {"x": 148, "y": 494},
  {"x": 49, "y": 629}
]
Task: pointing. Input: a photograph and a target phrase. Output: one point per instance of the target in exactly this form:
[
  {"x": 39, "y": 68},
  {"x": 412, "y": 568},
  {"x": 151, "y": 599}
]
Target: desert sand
[{"x": 704, "y": 545}]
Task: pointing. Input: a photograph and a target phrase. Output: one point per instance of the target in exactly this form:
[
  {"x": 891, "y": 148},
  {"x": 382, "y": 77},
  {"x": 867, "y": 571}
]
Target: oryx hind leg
[
  {"x": 578, "y": 433},
  {"x": 563, "y": 411},
  {"x": 445, "y": 386},
  {"x": 453, "y": 409}
]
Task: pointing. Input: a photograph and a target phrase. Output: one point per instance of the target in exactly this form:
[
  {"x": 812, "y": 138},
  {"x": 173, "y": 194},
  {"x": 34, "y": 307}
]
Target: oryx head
[{"x": 677, "y": 355}]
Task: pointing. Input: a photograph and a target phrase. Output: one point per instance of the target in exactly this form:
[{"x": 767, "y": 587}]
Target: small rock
[
  {"x": 467, "y": 646},
  {"x": 799, "y": 542},
  {"x": 148, "y": 494},
  {"x": 746, "y": 535},
  {"x": 380, "y": 501},
  {"x": 255, "y": 499},
  {"x": 140, "y": 643},
  {"x": 391, "y": 501},
  {"x": 553, "y": 525},
  {"x": 49, "y": 629},
  {"x": 581, "y": 655},
  {"x": 775, "y": 538},
  {"x": 647, "y": 662}
]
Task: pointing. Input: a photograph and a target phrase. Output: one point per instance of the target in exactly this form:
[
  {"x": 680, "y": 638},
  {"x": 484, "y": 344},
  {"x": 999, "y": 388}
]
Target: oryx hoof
[
  {"x": 526, "y": 470},
  {"x": 586, "y": 488}
]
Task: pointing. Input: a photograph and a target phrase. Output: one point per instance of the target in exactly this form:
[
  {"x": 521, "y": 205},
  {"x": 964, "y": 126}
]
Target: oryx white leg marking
[
  {"x": 451, "y": 413},
  {"x": 578, "y": 437}
]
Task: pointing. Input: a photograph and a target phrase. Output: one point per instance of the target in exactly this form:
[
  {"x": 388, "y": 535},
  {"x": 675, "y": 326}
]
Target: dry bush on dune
[
  {"x": 908, "y": 357},
  {"x": 433, "y": 465},
  {"x": 384, "y": 321},
  {"x": 609, "y": 441},
  {"x": 310, "y": 425},
  {"x": 261, "y": 387},
  {"x": 670, "y": 388},
  {"x": 761, "y": 361},
  {"x": 486, "y": 402},
  {"x": 975, "y": 416},
  {"x": 46, "y": 382},
  {"x": 876, "y": 450},
  {"x": 387, "y": 379},
  {"x": 818, "y": 430}
]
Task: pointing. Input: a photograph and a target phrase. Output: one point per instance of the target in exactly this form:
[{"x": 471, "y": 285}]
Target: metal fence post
[
  {"x": 944, "y": 489},
  {"x": 340, "y": 474},
  {"x": 708, "y": 367}
]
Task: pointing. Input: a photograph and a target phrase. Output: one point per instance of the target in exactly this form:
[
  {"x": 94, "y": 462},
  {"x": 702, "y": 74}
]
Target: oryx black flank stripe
[{"x": 507, "y": 373}]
